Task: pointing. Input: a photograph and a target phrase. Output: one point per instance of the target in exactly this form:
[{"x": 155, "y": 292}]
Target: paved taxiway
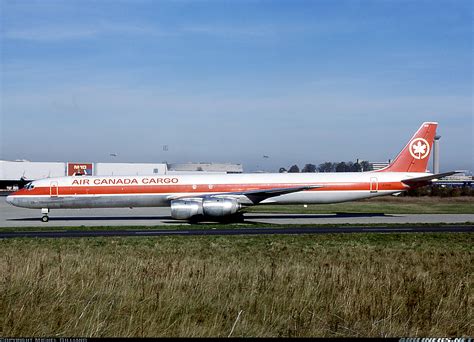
[
  {"x": 235, "y": 231},
  {"x": 19, "y": 217}
]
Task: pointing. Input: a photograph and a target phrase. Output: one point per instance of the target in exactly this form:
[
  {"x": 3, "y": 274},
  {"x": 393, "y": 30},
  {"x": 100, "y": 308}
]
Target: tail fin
[{"x": 414, "y": 157}]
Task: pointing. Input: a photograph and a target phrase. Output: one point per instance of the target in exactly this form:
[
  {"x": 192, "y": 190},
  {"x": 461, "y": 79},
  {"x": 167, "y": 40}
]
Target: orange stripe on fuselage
[{"x": 202, "y": 188}]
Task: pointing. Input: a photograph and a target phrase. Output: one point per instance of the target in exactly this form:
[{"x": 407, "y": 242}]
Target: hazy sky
[{"x": 232, "y": 81}]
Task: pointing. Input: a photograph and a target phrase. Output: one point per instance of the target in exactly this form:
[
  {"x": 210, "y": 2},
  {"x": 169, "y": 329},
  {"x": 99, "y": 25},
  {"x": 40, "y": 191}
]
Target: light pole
[{"x": 436, "y": 154}]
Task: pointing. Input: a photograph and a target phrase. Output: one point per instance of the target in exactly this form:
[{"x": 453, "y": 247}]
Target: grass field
[
  {"x": 386, "y": 205},
  {"x": 225, "y": 226},
  {"x": 332, "y": 285}
]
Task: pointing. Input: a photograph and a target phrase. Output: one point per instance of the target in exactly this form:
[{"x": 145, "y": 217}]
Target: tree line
[
  {"x": 440, "y": 191},
  {"x": 330, "y": 167}
]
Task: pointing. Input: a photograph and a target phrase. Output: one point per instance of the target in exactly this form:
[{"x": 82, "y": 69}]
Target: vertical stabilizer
[{"x": 414, "y": 157}]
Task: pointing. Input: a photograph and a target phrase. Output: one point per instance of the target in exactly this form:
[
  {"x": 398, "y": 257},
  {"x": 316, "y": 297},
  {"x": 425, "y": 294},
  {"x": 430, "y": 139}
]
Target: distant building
[
  {"x": 15, "y": 174},
  {"x": 461, "y": 179},
  {"x": 129, "y": 169},
  {"x": 378, "y": 165},
  {"x": 207, "y": 167}
]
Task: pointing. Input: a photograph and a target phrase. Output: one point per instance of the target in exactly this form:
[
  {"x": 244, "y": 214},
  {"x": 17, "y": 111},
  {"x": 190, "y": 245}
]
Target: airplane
[{"x": 220, "y": 197}]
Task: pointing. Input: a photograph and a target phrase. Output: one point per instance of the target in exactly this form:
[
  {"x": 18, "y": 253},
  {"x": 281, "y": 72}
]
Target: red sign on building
[{"x": 84, "y": 169}]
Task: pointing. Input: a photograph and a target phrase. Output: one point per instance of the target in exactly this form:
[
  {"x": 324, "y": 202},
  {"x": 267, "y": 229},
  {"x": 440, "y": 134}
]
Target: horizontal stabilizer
[{"x": 427, "y": 179}]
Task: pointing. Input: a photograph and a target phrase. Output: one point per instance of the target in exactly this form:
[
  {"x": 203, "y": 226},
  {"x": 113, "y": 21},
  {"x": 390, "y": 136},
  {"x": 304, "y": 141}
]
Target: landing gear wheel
[
  {"x": 236, "y": 218},
  {"x": 45, "y": 218},
  {"x": 195, "y": 219}
]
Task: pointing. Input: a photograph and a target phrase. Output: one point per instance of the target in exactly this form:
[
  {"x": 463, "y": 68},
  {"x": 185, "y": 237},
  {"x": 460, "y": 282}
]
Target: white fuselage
[{"x": 160, "y": 190}]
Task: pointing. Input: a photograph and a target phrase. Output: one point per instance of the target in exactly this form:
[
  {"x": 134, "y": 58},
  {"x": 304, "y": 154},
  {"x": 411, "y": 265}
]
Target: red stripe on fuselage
[{"x": 202, "y": 188}]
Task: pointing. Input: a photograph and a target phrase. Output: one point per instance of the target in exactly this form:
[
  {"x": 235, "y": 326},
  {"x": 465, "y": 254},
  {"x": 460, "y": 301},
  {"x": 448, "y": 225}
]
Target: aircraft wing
[
  {"x": 426, "y": 179},
  {"x": 254, "y": 196}
]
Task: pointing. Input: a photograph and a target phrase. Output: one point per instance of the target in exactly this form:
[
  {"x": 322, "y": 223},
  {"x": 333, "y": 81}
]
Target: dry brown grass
[{"x": 336, "y": 285}]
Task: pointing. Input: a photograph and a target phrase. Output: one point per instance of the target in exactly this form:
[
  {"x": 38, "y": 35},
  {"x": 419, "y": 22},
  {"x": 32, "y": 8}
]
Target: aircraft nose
[{"x": 10, "y": 199}]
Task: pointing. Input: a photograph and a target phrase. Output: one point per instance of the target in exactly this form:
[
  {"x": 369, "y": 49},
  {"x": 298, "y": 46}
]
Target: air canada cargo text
[{"x": 125, "y": 181}]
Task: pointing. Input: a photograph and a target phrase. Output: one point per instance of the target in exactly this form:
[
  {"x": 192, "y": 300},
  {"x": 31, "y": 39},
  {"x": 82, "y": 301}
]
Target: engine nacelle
[
  {"x": 183, "y": 209},
  {"x": 220, "y": 207}
]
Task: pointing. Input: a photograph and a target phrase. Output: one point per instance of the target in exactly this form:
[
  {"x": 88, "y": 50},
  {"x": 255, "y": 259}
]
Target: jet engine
[
  {"x": 220, "y": 207},
  {"x": 183, "y": 209}
]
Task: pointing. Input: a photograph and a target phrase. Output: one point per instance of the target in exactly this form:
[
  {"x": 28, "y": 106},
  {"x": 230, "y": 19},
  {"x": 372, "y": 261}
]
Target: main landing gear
[{"x": 45, "y": 212}]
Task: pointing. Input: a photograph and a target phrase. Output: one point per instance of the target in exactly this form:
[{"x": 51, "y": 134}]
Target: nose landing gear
[{"x": 45, "y": 212}]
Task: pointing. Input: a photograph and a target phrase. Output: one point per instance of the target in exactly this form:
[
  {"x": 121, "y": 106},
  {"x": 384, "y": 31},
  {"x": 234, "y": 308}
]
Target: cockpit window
[{"x": 29, "y": 186}]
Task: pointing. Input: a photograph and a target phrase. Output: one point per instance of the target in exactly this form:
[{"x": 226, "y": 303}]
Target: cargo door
[
  {"x": 53, "y": 189},
  {"x": 374, "y": 185}
]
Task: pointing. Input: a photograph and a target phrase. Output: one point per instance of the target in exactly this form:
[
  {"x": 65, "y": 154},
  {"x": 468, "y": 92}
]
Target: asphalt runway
[
  {"x": 11, "y": 216},
  {"x": 233, "y": 231}
]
